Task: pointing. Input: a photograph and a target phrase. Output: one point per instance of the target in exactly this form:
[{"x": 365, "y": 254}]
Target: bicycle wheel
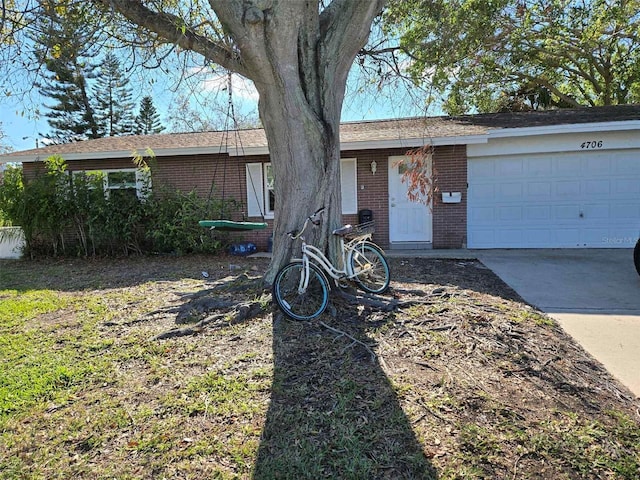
[
  {"x": 636, "y": 256},
  {"x": 299, "y": 305},
  {"x": 371, "y": 267}
]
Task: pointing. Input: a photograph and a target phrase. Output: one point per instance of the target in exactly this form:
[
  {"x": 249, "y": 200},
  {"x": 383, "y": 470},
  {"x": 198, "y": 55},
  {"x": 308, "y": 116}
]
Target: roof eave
[
  {"x": 565, "y": 128},
  {"x": 146, "y": 153},
  {"x": 345, "y": 146},
  {"x": 382, "y": 144}
]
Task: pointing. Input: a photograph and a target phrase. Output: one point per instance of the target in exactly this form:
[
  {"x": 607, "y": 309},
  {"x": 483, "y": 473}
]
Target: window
[
  {"x": 129, "y": 182},
  {"x": 261, "y": 193},
  {"x": 269, "y": 189},
  {"x": 121, "y": 184}
]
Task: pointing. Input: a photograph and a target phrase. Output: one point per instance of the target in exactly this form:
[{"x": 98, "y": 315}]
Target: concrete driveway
[{"x": 593, "y": 294}]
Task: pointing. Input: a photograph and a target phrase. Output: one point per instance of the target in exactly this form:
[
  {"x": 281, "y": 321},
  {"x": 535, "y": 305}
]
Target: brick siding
[
  {"x": 197, "y": 172},
  {"x": 450, "y": 219}
]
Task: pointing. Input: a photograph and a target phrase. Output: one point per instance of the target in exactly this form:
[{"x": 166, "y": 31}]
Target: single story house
[{"x": 549, "y": 179}]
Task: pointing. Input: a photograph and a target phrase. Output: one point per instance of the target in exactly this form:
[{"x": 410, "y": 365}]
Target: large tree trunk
[
  {"x": 305, "y": 155},
  {"x": 298, "y": 53},
  {"x": 301, "y": 60}
]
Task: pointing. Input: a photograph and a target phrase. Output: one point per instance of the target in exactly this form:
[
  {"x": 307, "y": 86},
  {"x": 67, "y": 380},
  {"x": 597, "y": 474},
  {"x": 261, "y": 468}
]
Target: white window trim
[
  {"x": 258, "y": 202},
  {"x": 143, "y": 180},
  {"x": 268, "y": 213},
  {"x": 254, "y": 175},
  {"x": 349, "y": 187}
]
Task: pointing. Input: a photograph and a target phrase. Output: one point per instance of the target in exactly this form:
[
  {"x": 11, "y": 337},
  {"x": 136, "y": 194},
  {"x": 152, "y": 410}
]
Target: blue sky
[{"x": 22, "y": 129}]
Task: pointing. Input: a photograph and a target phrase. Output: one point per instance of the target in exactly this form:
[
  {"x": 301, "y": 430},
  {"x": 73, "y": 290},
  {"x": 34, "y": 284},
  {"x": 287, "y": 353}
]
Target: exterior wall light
[{"x": 374, "y": 167}]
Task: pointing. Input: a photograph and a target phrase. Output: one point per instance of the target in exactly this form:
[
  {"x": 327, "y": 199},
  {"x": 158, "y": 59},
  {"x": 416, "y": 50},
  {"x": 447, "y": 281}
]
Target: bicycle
[{"x": 301, "y": 288}]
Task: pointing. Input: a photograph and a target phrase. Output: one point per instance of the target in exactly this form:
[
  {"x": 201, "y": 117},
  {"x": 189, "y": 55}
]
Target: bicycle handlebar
[
  {"x": 314, "y": 220},
  {"x": 311, "y": 218}
]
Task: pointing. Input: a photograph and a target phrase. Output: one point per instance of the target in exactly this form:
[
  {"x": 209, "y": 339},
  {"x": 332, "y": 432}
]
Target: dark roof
[
  {"x": 350, "y": 132},
  {"x": 569, "y": 116}
]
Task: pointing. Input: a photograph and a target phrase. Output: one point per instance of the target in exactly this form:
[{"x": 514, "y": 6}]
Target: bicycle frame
[
  {"x": 311, "y": 253},
  {"x": 301, "y": 287}
]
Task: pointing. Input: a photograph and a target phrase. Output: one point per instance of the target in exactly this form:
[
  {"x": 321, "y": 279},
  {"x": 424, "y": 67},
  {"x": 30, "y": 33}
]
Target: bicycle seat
[{"x": 342, "y": 231}]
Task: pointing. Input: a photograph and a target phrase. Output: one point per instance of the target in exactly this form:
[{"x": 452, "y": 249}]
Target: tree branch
[
  {"x": 552, "y": 88},
  {"x": 173, "y": 29},
  {"x": 351, "y": 337},
  {"x": 382, "y": 51},
  {"x": 345, "y": 27},
  {"x": 3, "y": 18}
]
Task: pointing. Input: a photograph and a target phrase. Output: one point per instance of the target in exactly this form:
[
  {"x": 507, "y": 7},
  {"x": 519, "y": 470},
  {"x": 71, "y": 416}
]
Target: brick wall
[
  {"x": 450, "y": 219},
  {"x": 373, "y": 189},
  {"x": 227, "y": 175},
  {"x": 198, "y": 172}
]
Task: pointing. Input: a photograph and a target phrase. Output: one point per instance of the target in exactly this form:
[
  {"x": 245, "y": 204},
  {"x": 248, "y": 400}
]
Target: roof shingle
[{"x": 350, "y": 132}]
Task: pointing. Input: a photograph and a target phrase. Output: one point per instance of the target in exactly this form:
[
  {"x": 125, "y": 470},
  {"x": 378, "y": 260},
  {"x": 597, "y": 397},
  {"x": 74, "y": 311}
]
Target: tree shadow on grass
[{"x": 333, "y": 411}]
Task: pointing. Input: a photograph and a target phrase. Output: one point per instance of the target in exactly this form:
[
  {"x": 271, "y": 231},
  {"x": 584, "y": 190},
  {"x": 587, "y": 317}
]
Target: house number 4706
[{"x": 592, "y": 144}]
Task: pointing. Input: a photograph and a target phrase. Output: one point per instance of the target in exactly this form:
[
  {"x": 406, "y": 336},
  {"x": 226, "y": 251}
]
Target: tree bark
[
  {"x": 299, "y": 57},
  {"x": 306, "y": 160}
]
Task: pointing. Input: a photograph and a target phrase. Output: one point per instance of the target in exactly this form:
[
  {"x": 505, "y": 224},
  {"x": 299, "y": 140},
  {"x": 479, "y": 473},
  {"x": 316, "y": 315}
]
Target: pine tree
[
  {"x": 62, "y": 49},
  {"x": 148, "y": 120},
  {"x": 113, "y": 99}
]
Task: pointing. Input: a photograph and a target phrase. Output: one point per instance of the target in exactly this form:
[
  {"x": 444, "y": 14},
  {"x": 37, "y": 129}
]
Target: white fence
[{"x": 11, "y": 242}]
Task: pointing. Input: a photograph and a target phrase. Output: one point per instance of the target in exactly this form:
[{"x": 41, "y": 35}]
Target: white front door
[{"x": 409, "y": 222}]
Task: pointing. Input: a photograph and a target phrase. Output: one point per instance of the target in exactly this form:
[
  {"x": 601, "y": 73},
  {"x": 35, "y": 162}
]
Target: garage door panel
[
  {"x": 626, "y": 212},
  {"x": 598, "y": 187},
  {"x": 485, "y": 238},
  {"x": 485, "y": 192},
  {"x": 570, "y": 189},
  {"x": 623, "y": 236},
  {"x": 511, "y": 168},
  {"x": 566, "y": 166},
  {"x": 483, "y": 214},
  {"x": 596, "y": 165},
  {"x": 596, "y": 211},
  {"x": 539, "y": 189},
  {"x": 510, "y": 236},
  {"x": 581, "y": 199},
  {"x": 535, "y": 237},
  {"x": 565, "y": 237},
  {"x": 511, "y": 191},
  {"x": 626, "y": 164},
  {"x": 537, "y": 213},
  {"x": 626, "y": 186},
  {"x": 482, "y": 169},
  {"x": 594, "y": 236},
  {"x": 566, "y": 212},
  {"x": 539, "y": 167},
  {"x": 510, "y": 214}
]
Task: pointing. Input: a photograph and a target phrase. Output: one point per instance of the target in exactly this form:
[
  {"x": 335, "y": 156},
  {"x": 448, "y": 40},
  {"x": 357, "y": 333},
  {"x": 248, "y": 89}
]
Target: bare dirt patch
[{"x": 460, "y": 379}]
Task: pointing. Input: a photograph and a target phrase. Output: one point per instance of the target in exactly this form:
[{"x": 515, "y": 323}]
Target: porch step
[{"x": 411, "y": 246}]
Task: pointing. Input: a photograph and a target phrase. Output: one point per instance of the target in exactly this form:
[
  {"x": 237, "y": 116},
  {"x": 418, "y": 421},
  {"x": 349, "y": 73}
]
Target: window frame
[
  {"x": 260, "y": 206},
  {"x": 267, "y": 188},
  {"x": 142, "y": 184}
]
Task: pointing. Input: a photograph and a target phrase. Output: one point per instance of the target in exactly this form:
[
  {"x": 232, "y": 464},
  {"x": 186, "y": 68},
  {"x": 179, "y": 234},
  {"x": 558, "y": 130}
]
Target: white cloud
[{"x": 242, "y": 88}]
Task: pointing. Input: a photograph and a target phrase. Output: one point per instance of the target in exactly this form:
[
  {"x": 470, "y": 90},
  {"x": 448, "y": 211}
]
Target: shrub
[
  {"x": 38, "y": 206},
  {"x": 65, "y": 215},
  {"x": 174, "y": 216},
  {"x": 10, "y": 193}
]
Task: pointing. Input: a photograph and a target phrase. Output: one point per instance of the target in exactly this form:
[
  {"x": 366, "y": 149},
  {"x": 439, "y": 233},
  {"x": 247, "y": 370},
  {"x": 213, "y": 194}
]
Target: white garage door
[{"x": 583, "y": 199}]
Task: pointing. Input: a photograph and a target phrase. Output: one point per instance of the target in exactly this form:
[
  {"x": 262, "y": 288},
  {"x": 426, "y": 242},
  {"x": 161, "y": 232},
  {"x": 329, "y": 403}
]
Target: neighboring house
[{"x": 551, "y": 179}]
